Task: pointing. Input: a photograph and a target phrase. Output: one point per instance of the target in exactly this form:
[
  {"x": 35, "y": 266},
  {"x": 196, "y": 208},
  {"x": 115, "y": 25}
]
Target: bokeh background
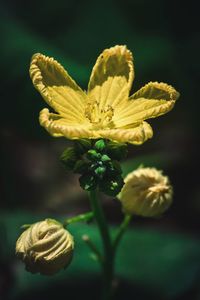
[{"x": 159, "y": 258}]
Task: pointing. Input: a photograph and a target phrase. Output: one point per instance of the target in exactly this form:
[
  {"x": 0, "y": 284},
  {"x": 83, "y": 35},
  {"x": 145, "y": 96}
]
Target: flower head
[
  {"x": 146, "y": 192},
  {"x": 105, "y": 110},
  {"x": 45, "y": 247}
]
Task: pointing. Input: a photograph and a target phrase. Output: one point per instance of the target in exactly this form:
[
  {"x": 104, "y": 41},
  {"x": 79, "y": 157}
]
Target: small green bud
[
  {"x": 82, "y": 146},
  {"x": 105, "y": 158},
  {"x": 69, "y": 158},
  {"x": 81, "y": 166},
  {"x": 111, "y": 186},
  {"x": 99, "y": 171},
  {"x": 117, "y": 151},
  {"x": 100, "y": 145},
  {"x": 93, "y": 155},
  {"x": 88, "y": 182}
]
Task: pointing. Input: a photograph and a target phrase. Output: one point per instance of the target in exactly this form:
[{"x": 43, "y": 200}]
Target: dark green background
[{"x": 158, "y": 259}]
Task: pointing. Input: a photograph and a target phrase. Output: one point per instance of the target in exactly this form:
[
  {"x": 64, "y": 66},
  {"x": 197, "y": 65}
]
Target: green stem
[
  {"x": 93, "y": 247},
  {"x": 107, "y": 244},
  {"x": 80, "y": 218},
  {"x": 121, "y": 230}
]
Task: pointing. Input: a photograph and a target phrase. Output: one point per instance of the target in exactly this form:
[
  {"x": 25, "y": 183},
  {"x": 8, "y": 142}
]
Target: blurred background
[{"x": 158, "y": 258}]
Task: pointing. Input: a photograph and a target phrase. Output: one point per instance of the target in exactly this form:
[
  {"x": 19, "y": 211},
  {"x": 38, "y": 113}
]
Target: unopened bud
[
  {"x": 82, "y": 146},
  {"x": 100, "y": 145},
  {"x": 88, "y": 182},
  {"x": 45, "y": 247},
  {"x": 111, "y": 186},
  {"x": 69, "y": 158},
  {"x": 117, "y": 151},
  {"x": 146, "y": 192}
]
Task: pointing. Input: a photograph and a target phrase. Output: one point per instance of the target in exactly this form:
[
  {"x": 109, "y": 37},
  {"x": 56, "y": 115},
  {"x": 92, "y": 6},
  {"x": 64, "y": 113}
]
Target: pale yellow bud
[
  {"x": 45, "y": 247},
  {"x": 146, "y": 192}
]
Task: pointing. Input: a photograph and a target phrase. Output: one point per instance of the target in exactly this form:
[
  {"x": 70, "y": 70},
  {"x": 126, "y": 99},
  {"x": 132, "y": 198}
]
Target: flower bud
[
  {"x": 83, "y": 145},
  {"x": 45, "y": 247},
  {"x": 88, "y": 182},
  {"x": 100, "y": 145},
  {"x": 111, "y": 185},
  {"x": 69, "y": 158},
  {"x": 146, "y": 193},
  {"x": 116, "y": 151}
]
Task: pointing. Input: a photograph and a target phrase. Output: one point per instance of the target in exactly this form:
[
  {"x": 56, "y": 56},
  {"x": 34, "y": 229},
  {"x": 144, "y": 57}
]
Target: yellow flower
[
  {"x": 105, "y": 110},
  {"x": 146, "y": 192},
  {"x": 45, "y": 247}
]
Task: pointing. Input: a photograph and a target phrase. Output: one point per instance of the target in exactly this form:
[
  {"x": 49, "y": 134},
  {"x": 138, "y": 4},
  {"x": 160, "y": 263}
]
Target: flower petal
[
  {"x": 137, "y": 135},
  {"x": 58, "y": 126},
  {"x": 152, "y": 100},
  {"x": 111, "y": 77},
  {"x": 57, "y": 88}
]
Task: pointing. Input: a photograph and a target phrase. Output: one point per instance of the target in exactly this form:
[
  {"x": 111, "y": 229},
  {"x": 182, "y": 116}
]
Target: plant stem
[
  {"x": 93, "y": 247},
  {"x": 108, "y": 267},
  {"x": 80, "y": 218},
  {"x": 121, "y": 230}
]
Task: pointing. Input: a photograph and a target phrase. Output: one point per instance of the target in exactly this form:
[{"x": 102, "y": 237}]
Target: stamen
[{"x": 100, "y": 118}]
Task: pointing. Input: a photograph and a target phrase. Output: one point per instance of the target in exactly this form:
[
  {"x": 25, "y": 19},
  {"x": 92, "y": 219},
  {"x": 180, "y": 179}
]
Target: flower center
[{"x": 100, "y": 118}]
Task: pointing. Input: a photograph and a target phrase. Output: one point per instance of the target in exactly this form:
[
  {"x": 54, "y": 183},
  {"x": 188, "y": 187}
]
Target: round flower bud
[
  {"x": 146, "y": 193},
  {"x": 45, "y": 247}
]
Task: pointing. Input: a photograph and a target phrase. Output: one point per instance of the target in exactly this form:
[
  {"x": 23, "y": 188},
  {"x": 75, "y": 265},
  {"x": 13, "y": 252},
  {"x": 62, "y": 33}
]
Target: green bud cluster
[{"x": 97, "y": 162}]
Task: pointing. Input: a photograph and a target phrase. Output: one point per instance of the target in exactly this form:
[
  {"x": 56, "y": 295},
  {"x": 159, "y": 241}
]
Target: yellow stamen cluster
[{"x": 99, "y": 117}]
